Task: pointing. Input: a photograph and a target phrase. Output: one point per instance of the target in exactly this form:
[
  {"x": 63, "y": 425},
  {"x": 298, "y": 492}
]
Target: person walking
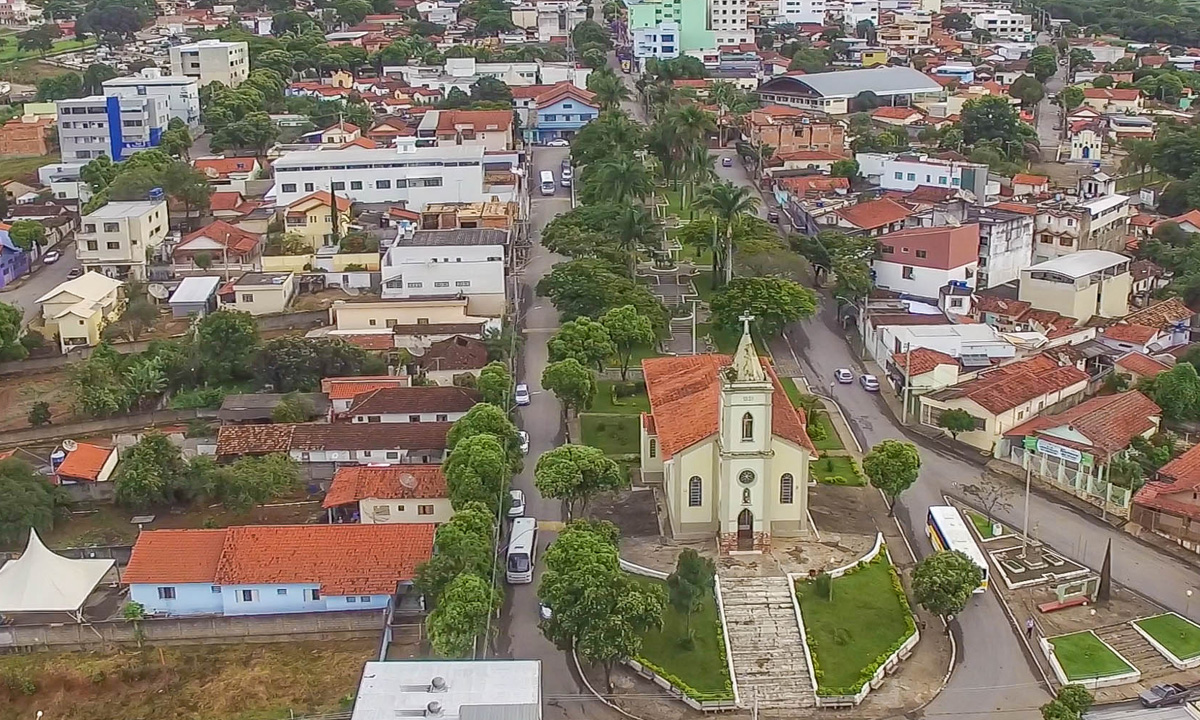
[{"x": 1029, "y": 628}]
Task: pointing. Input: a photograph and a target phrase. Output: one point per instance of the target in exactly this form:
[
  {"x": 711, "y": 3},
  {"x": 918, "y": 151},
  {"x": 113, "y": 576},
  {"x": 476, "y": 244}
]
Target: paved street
[
  {"x": 1049, "y": 114},
  {"x": 42, "y": 281}
]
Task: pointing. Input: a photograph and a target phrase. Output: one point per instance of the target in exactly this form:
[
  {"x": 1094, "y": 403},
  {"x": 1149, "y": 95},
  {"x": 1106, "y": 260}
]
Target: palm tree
[
  {"x": 697, "y": 170},
  {"x": 621, "y": 178},
  {"x": 728, "y": 203},
  {"x": 609, "y": 89},
  {"x": 635, "y": 229},
  {"x": 612, "y": 133},
  {"x": 692, "y": 124}
]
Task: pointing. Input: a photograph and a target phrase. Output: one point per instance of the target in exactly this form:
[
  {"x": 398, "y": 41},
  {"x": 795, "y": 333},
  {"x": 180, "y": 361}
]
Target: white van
[{"x": 547, "y": 179}]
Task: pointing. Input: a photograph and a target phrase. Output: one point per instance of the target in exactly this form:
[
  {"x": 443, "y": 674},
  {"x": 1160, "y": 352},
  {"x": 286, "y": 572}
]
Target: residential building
[
  {"x": 873, "y": 217},
  {"x": 405, "y": 175},
  {"x": 212, "y": 61},
  {"x": 1066, "y": 226},
  {"x": 14, "y": 262},
  {"x": 461, "y": 73},
  {"x": 1001, "y": 23},
  {"x": 396, "y": 494},
  {"x": 1025, "y": 184},
  {"x": 324, "y": 447},
  {"x": 1169, "y": 505},
  {"x": 475, "y": 689},
  {"x": 974, "y": 345},
  {"x": 116, "y": 238},
  {"x": 702, "y": 25},
  {"x": 64, "y": 181},
  {"x": 1005, "y": 243},
  {"x": 490, "y": 129},
  {"x": 275, "y": 569},
  {"x": 468, "y": 262},
  {"x": 920, "y": 261},
  {"x": 551, "y": 20},
  {"x": 182, "y": 93},
  {"x": 77, "y": 310},
  {"x": 560, "y": 112},
  {"x": 217, "y": 248},
  {"x": 259, "y": 293},
  {"x": 1080, "y": 285},
  {"x": 802, "y": 12},
  {"x": 436, "y": 318},
  {"x": 1003, "y": 398},
  {"x": 83, "y": 464},
  {"x": 341, "y": 391},
  {"x": 446, "y": 359},
  {"x": 790, "y": 130},
  {"x": 312, "y": 217},
  {"x": 28, "y": 135},
  {"x": 196, "y": 296},
  {"x": 832, "y": 92},
  {"x": 730, "y": 450},
  {"x": 660, "y": 42},
  {"x": 97, "y": 125},
  {"x": 1136, "y": 366},
  {"x": 1114, "y": 100},
  {"x": 228, "y": 174},
  {"x": 19, "y": 12},
  {"x": 908, "y": 171},
  {"x": 426, "y": 403}
]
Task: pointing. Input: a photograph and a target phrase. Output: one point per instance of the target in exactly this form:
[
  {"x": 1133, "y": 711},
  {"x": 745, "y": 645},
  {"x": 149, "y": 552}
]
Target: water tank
[{"x": 156, "y": 194}]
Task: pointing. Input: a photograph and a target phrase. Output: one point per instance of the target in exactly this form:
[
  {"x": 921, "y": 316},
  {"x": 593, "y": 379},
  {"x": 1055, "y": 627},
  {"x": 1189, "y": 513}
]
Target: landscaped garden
[
  {"x": 983, "y": 526},
  {"x": 1083, "y": 656},
  {"x": 620, "y": 398},
  {"x": 614, "y": 434},
  {"x": 853, "y": 624},
  {"x": 702, "y": 668},
  {"x": 1179, "y": 636},
  {"x": 836, "y": 470}
]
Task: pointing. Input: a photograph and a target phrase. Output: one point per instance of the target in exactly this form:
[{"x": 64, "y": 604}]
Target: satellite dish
[
  {"x": 157, "y": 291},
  {"x": 70, "y": 445},
  {"x": 408, "y": 480}
]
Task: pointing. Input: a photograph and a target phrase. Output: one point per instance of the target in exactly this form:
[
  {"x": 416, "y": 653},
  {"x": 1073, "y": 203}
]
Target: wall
[
  {"x": 791, "y": 518},
  {"x": 407, "y": 417},
  {"x": 263, "y": 300},
  {"x": 405, "y": 511},
  {"x": 107, "y": 426},
  {"x": 925, "y": 282},
  {"x": 286, "y": 263},
  {"x": 190, "y": 598},
  {"x": 374, "y": 315}
]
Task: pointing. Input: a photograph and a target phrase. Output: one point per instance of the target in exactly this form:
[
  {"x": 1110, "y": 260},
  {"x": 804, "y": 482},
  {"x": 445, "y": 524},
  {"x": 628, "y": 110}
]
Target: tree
[
  {"x": 463, "y": 545},
  {"x": 1028, "y": 90},
  {"x": 254, "y": 132},
  {"x": 477, "y": 470},
  {"x": 11, "y": 325},
  {"x": 592, "y": 287},
  {"x": 39, "y": 39},
  {"x": 60, "y": 87},
  {"x": 810, "y": 60},
  {"x": 1043, "y": 66},
  {"x": 1176, "y": 391},
  {"x": 628, "y": 330},
  {"x": 297, "y": 364},
  {"x": 728, "y": 203},
  {"x": 95, "y": 76},
  {"x": 254, "y": 480},
  {"x": 955, "y": 421},
  {"x": 774, "y": 302},
  {"x": 293, "y": 408},
  {"x": 892, "y": 467},
  {"x": 149, "y": 473},
  {"x": 1070, "y": 97},
  {"x": 575, "y": 473},
  {"x": 353, "y": 12},
  {"x": 573, "y": 384},
  {"x": 486, "y": 418},
  {"x": 1078, "y": 57},
  {"x": 691, "y": 582},
  {"x": 958, "y": 22},
  {"x": 1076, "y": 698},
  {"x": 1055, "y": 710},
  {"x": 39, "y": 414},
  {"x": 618, "y": 179},
  {"x": 990, "y": 495},
  {"x": 609, "y": 89},
  {"x": 495, "y": 385},
  {"x": 461, "y": 615},
  {"x": 583, "y": 339},
  {"x": 844, "y": 168},
  {"x": 943, "y": 582},
  {"x": 1102, "y": 82},
  {"x": 226, "y": 343},
  {"x": 991, "y": 118},
  {"x": 25, "y": 234},
  {"x": 27, "y": 500},
  {"x": 176, "y": 140}
]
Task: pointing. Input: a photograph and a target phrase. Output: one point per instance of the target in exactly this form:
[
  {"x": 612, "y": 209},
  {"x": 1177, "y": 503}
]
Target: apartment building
[
  {"x": 99, "y": 125},
  {"x": 1067, "y": 226},
  {"x": 115, "y": 238},
  {"x": 407, "y": 175},
  {"x": 803, "y": 12},
  {"x": 660, "y": 42},
  {"x": 1080, "y": 285},
  {"x": 182, "y": 93},
  {"x": 212, "y": 61},
  {"x": 908, "y": 171},
  {"x": 1003, "y": 23},
  {"x": 699, "y": 25},
  {"x": 920, "y": 261},
  {"x": 466, "y": 262},
  {"x": 550, "y": 19},
  {"x": 1005, "y": 244},
  {"x": 790, "y": 130}
]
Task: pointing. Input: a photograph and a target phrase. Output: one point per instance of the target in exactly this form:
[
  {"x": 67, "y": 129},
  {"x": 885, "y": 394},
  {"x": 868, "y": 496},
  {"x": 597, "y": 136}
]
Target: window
[
  {"x": 248, "y": 595},
  {"x": 309, "y": 187},
  {"x": 462, "y": 283},
  {"x": 888, "y": 249},
  {"x": 442, "y": 417},
  {"x": 247, "y": 297},
  {"x": 89, "y": 227},
  {"x": 281, "y": 591},
  {"x": 338, "y": 185},
  {"x": 373, "y": 418},
  {"x": 393, "y": 455},
  {"x": 922, "y": 253},
  {"x": 111, "y": 227},
  {"x": 912, "y": 177},
  {"x": 747, "y": 427},
  {"x": 416, "y": 285},
  {"x": 653, "y": 447},
  {"x": 289, "y": 187},
  {"x": 365, "y": 598},
  {"x": 414, "y": 418},
  {"x": 424, "y": 509},
  {"x": 942, "y": 180},
  {"x": 786, "y": 489},
  {"x": 166, "y": 593},
  {"x": 906, "y": 272},
  {"x": 351, "y": 599},
  {"x": 92, "y": 245},
  {"x": 695, "y": 491},
  {"x": 356, "y": 184},
  {"x": 383, "y": 184},
  {"x": 314, "y": 594},
  {"x": 113, "y": 245}
]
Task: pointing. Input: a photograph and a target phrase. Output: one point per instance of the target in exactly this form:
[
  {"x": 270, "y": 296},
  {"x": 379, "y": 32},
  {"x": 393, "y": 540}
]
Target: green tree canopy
[
  {"x": 477, "y": 470},
  {"x": 495, "y": 385},
  {"x": 629, "y": 330},
  {"x": 573, "y": 384},
  {"x": 892, "y": 466},
  {"x": 943, "y": 582},
  {"x": 774, "y": 303},
  {"x": 462, "y": 615},
  {"x": 574, "y": 474},
  {"x": 27, "y": 500},
  {"x": 585, "y": 340}
]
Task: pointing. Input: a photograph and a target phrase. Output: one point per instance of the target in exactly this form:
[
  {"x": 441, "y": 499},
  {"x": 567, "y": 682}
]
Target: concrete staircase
[
  {"x": 764, "y": 638},
  {"x": 1134, "y": 648}
]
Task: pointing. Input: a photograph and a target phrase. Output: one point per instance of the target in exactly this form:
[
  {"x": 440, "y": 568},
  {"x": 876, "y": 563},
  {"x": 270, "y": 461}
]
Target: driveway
[{"x": 43, "y": 279}]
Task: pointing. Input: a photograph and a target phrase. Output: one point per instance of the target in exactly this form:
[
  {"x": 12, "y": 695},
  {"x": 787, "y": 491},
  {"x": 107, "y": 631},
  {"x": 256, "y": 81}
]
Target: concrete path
[{"x": 767, "y": 649}]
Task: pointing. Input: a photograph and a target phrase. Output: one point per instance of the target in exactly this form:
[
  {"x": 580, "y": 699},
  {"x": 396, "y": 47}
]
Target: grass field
[
  {"x": 232, "y": 682},
  {"x": 630, "y": 405},
  {"x": 981, "y": 523},
  {"x": 1174, "y": 633},
  {"x": 15, "y": 168},
  {"x": 865, "y": 619},
  {"x": 702, "y": 668},
  {"x": 837, "y": 466},
  {"x": 614, "y": 434},
  {"x": 1082, "y": 655},
  {"x": 832, "y": 441},
  {"x": 9, "y": 51}
]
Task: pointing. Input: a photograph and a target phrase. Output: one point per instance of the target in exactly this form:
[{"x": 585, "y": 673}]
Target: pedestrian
[{"x": 1029, "y": 628}]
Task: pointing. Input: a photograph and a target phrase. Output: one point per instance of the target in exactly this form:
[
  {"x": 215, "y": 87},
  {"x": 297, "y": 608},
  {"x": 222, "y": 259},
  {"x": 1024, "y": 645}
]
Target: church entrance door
[{"x": 745, "y": 536}]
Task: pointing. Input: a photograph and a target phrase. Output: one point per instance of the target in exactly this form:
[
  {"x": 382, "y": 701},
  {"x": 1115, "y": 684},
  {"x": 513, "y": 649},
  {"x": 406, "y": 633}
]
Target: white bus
[
  {"x": 522, "y": 551},
  {"x": 547, "y": 178},
  {"x": 948, "y": 531}
]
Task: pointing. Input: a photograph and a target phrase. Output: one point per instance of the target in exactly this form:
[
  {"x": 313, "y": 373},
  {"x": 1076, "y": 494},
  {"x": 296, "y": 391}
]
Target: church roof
[{"x": 685, "y": 402}]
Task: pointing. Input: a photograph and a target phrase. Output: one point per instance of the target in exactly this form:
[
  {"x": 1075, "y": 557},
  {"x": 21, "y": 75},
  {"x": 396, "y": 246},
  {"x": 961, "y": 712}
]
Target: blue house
[
  {"x": 560, "y": 112},
  {"x": 14, "y": 262},
  {"x": 276, "y": 569}
]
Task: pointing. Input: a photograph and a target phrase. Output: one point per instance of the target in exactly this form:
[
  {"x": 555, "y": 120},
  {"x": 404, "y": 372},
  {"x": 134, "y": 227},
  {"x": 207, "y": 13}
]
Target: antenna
[
  {"x": 157, "y": 291},
  {"x": 70, "y": 445},
  {"x": 408, "y": 480}
]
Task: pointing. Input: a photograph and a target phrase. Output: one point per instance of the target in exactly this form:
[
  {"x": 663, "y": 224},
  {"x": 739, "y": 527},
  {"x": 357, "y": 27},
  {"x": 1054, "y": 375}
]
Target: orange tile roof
[
  {"x": 375, "y": 341},
  {"x": 225, "y": 166},
  {"x": 809, "y": 156},
  {"x": 85, "y": 462},
  {"x": 923, "y": 360},
  {"x": 175, "y": 556},
  {"x": 1192, "y": 217},
  {"x": 1027, "y": 179},
  {"x": 1112, "y": 94},
  {"x": 345, "y": 388},
  {"x": 896, "y": 113},
  {"x": 1141, "y": 364},
  {"x": 224, "y": 201},
  {"x": 814, "y": 184},
  {"x": 1163, "y": 315},
  {"x": 323, "y": 197},
  {"x": 874, "y": 213},
  {"x": 478, "y": 120},
  {"x": 685, "y": 395},
  {"x": 233, "y": 238},
  {"x": 1130, "y": 333},
  {"x": 1012, "y": 309},
  {"x": 1010, "y": 385},
  {"x": 564, "y": 89},
  {"x": 362, "y": 142},
  {"x": 418, "y": 399},
  {"x": 1110, "y": 422},
  {"x": 1181, "y": 475},
  {"x": 351, "y": 484},
  {"x": 1016, "y": 207}
]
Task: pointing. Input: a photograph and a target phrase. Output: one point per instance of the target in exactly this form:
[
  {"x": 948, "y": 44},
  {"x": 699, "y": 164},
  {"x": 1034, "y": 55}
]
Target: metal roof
[
  {"x": 195, "y": 290},
  {"x": 1082, "y": 263},
  {"x": 883, "y": 81},
  {"x": 509, "y": 689}
]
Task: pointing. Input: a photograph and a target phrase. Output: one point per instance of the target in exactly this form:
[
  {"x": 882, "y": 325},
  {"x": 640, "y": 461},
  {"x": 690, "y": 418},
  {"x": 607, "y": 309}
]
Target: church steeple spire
[{"x": 746, "y": 365}]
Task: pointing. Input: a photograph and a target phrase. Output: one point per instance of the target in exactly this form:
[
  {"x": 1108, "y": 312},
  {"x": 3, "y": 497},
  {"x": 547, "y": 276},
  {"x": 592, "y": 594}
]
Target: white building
[
  {"x": 461, "y": 73},
  {"x": 114, "y": 239},
  {"x": 97, "y": 125},
  {"x": 920, "y": 261},
  {"x": 660, "y": 42},
  {"x": 968, "y": 339},
  {"x": 64, "y": 181},
  {"x": 212, "y": 61},
  {"x": 1005, "y": 245},
  {"x": 858, "y": 10},
  {"x": 549, "y": 18},
  {"x": 406, "y": 174},
  {"x": 727, "y": 16},
  {"x": 467, "y": 262},
  {"x": 909, "y": 171},
  {"x": 1003, "y": 23},
  {"x": 182, "y": 93},
  {"x": 803, "y": 11},
  {"x": 477, "y": 689}
]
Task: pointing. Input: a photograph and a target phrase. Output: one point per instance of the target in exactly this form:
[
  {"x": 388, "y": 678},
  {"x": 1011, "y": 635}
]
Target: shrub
[
  {"x": 628, "y": 389},
  {"x": 817, "y": 432},
  {"x": 198, "y": 398}
]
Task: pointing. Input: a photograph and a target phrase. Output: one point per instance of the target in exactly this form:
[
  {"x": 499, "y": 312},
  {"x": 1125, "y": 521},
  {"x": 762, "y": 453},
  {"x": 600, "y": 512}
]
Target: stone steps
[
  {"x": 1134, "y": 648},
  {"x": 766, "y": 649}
]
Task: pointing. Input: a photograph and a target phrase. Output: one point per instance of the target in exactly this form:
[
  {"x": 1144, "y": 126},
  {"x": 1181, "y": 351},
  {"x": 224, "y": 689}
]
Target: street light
[{"x": 1187, "y": 611}]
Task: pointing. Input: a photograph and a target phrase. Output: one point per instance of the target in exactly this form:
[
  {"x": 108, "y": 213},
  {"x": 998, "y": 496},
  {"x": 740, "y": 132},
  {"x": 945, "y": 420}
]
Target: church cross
[{"x": 746, "y": 319}]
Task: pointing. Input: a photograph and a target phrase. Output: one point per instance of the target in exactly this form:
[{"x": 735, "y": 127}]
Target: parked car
[
  {"x": 51, "y": 257},
  {"x": 516, "y": 508},
  {"x": 870, "y": 383},
  {"x": 566, "y": 176},
  {"x": 843, "y": 376},
  {"x": 1166, "y": 694},
  {"x": 522, "y": 394},
  {"x": 558, "y": 142},
  {"x": 726, "y": 162},
  {"x": 524, "y": 438},
  {"x": 772, "y": 216},
  {"x": 74, "y": 273},
  {"x": 544, "y": 611}
]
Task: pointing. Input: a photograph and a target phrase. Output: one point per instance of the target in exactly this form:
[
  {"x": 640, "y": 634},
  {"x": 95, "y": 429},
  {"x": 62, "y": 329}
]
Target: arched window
[
  {"x": 746, "y": 496},
  {"x": 786, "y": 489},
  {"x": 747, "y": 427},
  {"x": 653, "y": 447},
  {"x": 695, "y": 491}
]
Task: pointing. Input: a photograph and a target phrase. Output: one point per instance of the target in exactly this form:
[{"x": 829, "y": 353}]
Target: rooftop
[
  {"x": 1010, "y": 385},
  {"x": 1181, "y": 475},
  {"x": 85, "y": 462},
  {"x": 457, "y": 236},
  {"x": 1082, "y": 263},
  {"x": 124, "y": 209},
  {"x": 1141, "y": 364},
  {"x": 469, "y": 690},
  {"x": 421, "y": 399},
  {"x": 849, "y": 83},
  {"x": 397, "y": 482},
  {"x": 1109, "y": 422},
  {"x": 354, "y": 154}
]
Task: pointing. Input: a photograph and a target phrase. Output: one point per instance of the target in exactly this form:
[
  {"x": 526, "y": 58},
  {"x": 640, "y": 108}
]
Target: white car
[
  {"x": 517, "y": 508},
  {"x": 544, "y": 611},
  {"x": 51, "y": 257},
  {"x": 523, "y": 437},
  {"x": 870, "y": 383},
  {"x": 843, "y": 376},
  {"x": 522, "y": 394},
  {"x": 558, "y": 142},
  {"x": 566, "y": 177}
]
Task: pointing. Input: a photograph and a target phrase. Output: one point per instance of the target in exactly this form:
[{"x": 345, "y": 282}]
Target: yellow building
[
  {"x": 259, "y": 293},
  {"x": 78, "y": 310},
  {"x": 874, "y": 56},
  {"x": 312, "y": 217}
]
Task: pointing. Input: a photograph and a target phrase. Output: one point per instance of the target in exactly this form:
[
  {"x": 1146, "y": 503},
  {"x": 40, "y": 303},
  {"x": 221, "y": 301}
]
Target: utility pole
[
  {"x": 907, "y": 382},
  {"x": 1025, "y": 522}
]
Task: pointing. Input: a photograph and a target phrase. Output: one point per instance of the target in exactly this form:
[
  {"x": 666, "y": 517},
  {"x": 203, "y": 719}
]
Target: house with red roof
[
  {"x": 1169, "y": 504},
  {"x": 1114, "y": 100},
  {"x": 341, "y": 391},
  {"x": 217, "y": 247},
  {"x": 392, "y": 494},
  {"x": 84, "y": 470},
  {"x": 1136, "y": 365},
  {"x": 228, "y": 174},
  {"x": 277, "y": 569},
  {"x": 559, "y": 112},
  {"x": 1025, "y": 184},
  {"x": 730, "y": 450},
  {"x": 921, "y": 261},
  {"x": 493, "y": 129},
  {"x": 873, "y": 217}
]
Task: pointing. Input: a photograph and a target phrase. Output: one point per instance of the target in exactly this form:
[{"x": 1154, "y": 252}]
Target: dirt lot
[
  {"x": 237, "y": 682},
  {"x": 18, "y": 393}
]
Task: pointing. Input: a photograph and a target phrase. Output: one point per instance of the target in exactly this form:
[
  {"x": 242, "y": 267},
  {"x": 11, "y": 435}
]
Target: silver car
[{"x": 870, "y": 383}]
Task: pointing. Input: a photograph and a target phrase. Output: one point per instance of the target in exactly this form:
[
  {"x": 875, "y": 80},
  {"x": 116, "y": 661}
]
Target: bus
[
  {"x": 547, "y": 179},
  {"x": 948, "y": 531},
  {"x": 522, "y": 551}
]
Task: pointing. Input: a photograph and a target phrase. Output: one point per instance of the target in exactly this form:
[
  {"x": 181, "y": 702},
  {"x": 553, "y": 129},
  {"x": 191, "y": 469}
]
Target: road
[
  {"x": 43, "y": 280},
  {"x": 1048, "y": 114}
]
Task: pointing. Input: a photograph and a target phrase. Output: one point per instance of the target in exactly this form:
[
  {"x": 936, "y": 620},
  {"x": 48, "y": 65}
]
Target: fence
[
  {"x": 1076, "y": 479},
  {"x": 106, "y": 426}
]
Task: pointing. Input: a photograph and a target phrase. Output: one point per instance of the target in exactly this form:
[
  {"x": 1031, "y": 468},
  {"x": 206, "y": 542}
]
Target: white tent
[{"x": 41, "y": 581}]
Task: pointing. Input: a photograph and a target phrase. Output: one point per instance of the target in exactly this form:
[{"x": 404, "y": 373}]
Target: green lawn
[
  {"x": 1083, "y": 656},
  {"x": 703, "y": 283},
  {"x": 703, "y": 668},
  {"x": 614, "y": 434},
  {"x": 630, "y": 405},
  {"x": 1176, "y": 634},
  {"x": 15, "y": 168},
  {"x": 837, "y": 466},
  {"x": 832, "y": 441},
  {"x": 696, "y": 256},
  {"x": 10, "y": 53},
  {"x": 639, "y": 354},
  {"x": 866, "y": 621},
  {"x": 981, "y": 523}
]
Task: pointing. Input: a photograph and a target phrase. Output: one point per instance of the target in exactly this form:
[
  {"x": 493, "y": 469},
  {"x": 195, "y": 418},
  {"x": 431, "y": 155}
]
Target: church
[{"x": 731, "y": 451}]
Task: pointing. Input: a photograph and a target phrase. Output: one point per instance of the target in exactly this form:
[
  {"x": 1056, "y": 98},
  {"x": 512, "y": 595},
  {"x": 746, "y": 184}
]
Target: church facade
[{"x": 731, "y": 450}]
